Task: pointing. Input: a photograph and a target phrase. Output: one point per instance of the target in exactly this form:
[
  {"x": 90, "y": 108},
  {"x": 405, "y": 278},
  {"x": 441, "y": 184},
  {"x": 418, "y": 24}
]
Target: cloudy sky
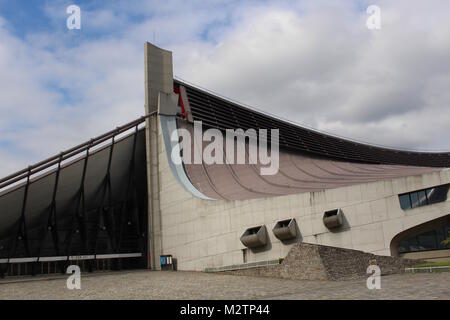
[{"x": 313, "y": 62}]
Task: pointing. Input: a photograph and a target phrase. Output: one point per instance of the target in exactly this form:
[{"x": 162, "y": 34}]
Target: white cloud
[
  {"x": 323, "y": 67},
  {"x": 314, "y": 62}
]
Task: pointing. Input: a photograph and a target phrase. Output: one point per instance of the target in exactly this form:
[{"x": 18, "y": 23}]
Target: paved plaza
[{"x": 196, "y": 285}]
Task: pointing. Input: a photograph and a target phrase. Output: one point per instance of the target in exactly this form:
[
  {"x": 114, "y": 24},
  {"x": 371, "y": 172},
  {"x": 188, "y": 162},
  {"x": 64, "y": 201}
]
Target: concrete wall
[
  {"x": 201, "y": 233},
  {"x": 317, "y": 262}
]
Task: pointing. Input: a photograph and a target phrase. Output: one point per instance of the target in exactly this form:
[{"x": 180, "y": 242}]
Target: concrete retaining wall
[{"x": 315, "y": 262}]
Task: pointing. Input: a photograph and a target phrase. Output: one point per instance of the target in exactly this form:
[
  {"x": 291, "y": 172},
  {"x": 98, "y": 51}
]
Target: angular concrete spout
[
  {"x": 285, "y": 229},
  {"x": 333, "y": 219},
  {"x": 255, "y": 237}
]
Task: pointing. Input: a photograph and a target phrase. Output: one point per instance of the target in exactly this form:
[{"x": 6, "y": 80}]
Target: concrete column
[
  {"x": 158, "y": 78},
  {"x": 158, "y": 75}
]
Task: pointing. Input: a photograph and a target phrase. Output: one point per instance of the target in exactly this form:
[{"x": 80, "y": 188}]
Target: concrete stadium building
[{"x": 121, "y": 201}]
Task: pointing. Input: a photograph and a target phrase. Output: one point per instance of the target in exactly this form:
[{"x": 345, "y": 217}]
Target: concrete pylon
[
  {"x": 158, "y": 80},
  {"x": 158, "y": 75}
]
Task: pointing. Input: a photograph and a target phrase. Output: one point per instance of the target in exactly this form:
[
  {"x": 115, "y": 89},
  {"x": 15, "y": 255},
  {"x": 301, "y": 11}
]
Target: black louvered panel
[{"x": 217, "y": 112}]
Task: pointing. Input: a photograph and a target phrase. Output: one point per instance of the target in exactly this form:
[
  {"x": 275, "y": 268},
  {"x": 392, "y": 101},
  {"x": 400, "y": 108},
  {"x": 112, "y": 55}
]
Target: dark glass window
[
  {"x": 427, "y": 241},
  {"x": 429, "y": 193},
  {"x": 438, "y": 194},
  {"x": 413, "y": 244},
  {"x": 414, "y": 199},
  {"x": 405, "y": 201},
  {"x": 431, "y": 240},
  {"x": 440, "y": 236},
  {"x": 403, "y": 247},
  {"x": 424, "y": 197}
]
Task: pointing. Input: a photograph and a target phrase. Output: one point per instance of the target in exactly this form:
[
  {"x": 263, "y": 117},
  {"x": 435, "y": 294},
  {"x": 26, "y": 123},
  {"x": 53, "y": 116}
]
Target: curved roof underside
[
  {"x": 297, "y": 173},
  {"x": 217, "y": 112}
]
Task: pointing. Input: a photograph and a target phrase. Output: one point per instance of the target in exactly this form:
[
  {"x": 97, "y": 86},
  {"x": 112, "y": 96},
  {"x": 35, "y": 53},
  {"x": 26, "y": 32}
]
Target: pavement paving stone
[{"x": 199, "y": 286}]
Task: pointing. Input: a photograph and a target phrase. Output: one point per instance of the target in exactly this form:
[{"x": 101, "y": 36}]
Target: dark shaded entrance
[{"x": 427, "y": 236}]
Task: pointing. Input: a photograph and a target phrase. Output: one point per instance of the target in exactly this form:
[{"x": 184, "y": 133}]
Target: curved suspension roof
[{"x": 217, "y": 112}]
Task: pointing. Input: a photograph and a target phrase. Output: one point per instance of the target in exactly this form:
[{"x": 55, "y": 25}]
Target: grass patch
[{"x": 445, "y": 263}]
